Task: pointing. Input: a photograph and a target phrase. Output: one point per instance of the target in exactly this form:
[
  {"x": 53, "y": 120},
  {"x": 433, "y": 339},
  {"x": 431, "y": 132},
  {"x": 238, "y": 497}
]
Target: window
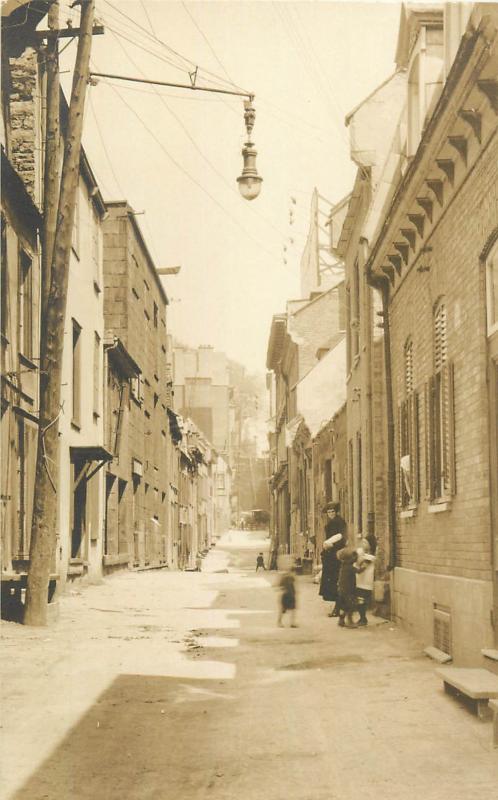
[
  {"x": 76, "y": 374},
  {"x": 348, "y": 330},
  {"x": 439, "y": 416},
  {"x": 351, "y": 481},
  {"x": 25, "y": 304},
  {"x": 355, "y": 321},
  {"x": 220, "y": 482},
  {"x": 75, "y": 240},
  {"x": 96, "y": 251},
  {"x": 408, "y": 366},
  {"x": 155, "y": 314},
  {"x": 136, "y": 388},
  {"x": 327, "y": 479},
  {"x": 492, "y": 287},
  {"x": 341, "y": 296},
  {"x": 408, "y": 436},
  {"x": 96, "y": 374},
  {"x": 359, "y": 480}
]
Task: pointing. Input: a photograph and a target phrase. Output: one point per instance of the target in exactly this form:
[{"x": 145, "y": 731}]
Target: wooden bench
[
  {"x": 493, "y": 707},
  {"x": 477, "y": 685}
]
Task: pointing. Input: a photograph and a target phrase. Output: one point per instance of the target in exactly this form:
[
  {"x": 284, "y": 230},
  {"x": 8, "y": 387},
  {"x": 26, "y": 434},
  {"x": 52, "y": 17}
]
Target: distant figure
[
  {"x": 198, "y": 562},
  {"x": 335, "y": 539},
  {"x": 365, "y": 568},
  {"x": 287, "y": 585},
  {"x": 347, "y": 587},
  {"x": 260, "y": 562}
]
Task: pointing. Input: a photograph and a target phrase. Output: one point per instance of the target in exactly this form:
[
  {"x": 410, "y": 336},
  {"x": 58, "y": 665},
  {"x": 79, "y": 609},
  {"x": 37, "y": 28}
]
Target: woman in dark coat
[{"x": 330, "y": 565}]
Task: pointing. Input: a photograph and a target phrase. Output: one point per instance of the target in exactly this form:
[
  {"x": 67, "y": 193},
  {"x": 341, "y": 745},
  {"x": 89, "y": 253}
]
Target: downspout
[
  {"x": 369, "y": 402},
  {"x": 382, "y": 285}
]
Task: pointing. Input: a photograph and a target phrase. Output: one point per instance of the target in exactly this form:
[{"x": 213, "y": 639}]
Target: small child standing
[
  {"x": 365, "y": 569},
  {"x": 260, "y": 562},
  {"x": 287, "y": 586},
  {"x": 346, "y": 587}
]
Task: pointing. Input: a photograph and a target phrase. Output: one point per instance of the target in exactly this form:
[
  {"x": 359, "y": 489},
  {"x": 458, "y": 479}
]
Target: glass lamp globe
[{"x": 249, "y": 182}]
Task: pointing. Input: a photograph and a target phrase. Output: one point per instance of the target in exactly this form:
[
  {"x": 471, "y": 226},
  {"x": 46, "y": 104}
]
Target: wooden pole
[
  {"x": 52, "y": 167},
  {"x": 43, "y": 531}
]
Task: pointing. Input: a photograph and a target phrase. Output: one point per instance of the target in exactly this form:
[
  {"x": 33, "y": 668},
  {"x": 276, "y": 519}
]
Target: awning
[
  {"x": 120, "y": 358},
  {"x": 88, "y": 455}
]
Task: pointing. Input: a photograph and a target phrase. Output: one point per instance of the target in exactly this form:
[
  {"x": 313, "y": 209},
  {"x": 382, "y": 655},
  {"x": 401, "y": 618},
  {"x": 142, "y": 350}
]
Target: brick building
[{"x": 433, "y": 257}]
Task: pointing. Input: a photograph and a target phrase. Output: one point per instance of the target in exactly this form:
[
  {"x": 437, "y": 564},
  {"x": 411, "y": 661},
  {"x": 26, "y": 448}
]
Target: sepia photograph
[{"x": 249, "y": 400}]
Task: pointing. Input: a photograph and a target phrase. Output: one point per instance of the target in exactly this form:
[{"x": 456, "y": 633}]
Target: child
[
  {"x": 287, "y": 585},
  {"x": 260, "y": 562},
  {"x": 346, "y": 586},
  {"x": 364, "y": 568}
]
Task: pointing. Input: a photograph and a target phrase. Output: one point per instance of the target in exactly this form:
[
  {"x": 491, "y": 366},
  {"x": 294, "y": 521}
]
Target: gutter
[{"x": 381, "y": 283}]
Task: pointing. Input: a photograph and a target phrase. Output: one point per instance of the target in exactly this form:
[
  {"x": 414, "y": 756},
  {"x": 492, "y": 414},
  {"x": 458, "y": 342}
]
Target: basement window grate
[{"x": 442, "y": 629}]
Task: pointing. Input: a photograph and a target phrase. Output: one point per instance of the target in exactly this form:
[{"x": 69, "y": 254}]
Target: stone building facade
[{"x": 137, "y": 422}]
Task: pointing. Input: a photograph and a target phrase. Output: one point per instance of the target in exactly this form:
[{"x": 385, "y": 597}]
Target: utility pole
[
  {"x": 43, "y": 531},
  {"x": 52, "y": 167}
]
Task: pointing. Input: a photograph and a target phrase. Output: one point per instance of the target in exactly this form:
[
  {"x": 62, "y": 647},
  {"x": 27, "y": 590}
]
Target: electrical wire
[
  {"x": 187, "y": 174},
  {"x": 197, "y": 148},
  {"x": 197, "y": 26},
  {"x": 187, "y": 61}
]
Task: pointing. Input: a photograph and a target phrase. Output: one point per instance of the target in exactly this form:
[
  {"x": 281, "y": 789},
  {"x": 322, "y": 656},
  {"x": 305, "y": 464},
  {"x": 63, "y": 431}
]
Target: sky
[{"x": 175, "y": 154}]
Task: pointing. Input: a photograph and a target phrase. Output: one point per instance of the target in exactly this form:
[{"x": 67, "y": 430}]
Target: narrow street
[{"x": 175, "y": 686}]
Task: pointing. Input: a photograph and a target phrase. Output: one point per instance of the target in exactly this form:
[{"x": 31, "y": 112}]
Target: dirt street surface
[{"x": 180, "y": 686}]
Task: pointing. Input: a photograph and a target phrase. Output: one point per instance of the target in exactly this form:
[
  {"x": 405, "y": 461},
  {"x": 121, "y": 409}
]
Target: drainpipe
[
  {"x": 369, "y": 403},
  {"x": 382, "y": 285}
]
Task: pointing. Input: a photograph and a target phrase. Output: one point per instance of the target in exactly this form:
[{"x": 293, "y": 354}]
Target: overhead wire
[
  {"x": 197, "y": 148},
  {"x": 191, "y": 64},
  {"x": 187, "y": 174}
]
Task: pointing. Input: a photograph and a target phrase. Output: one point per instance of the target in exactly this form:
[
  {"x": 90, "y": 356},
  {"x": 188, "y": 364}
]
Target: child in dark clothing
[
  {"x": 287, "y": 585},
  {"x": 347, "y": 586},
  {"x": 260, "y": 562}
]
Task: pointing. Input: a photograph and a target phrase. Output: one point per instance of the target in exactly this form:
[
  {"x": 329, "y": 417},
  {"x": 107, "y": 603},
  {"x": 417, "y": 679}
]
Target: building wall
[
  {"x": 84, "y": 429},
  {"x": 20, "y": 382},
  {"x": 329, "y": 445},
  {"x": 316, "y": 325},
  {"x": 202, "y": 392},
  {"x": 135, "y": 312},
  {"x": 455, "y": 542}
]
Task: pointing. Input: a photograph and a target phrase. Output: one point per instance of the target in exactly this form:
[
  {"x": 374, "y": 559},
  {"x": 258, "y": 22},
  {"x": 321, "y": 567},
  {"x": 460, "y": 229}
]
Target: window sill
[
  {"x": 96, "y": 287},
  {"x": 75, "y": 425},
  {"x": 408, "y": 513},
  {"x": 439, "y": 507}
]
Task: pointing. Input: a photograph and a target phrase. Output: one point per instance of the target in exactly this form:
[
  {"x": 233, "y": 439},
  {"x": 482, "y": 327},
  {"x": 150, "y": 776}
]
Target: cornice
[{"x": 463, "y": 124}]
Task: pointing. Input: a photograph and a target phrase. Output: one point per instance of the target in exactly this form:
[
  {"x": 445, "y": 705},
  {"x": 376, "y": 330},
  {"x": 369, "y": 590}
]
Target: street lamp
[{"x": 249, "y": 182}]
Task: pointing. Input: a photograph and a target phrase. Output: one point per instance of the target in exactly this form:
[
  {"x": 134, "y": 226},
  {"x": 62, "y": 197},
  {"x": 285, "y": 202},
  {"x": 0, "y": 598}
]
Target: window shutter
[
  {"x": 414, "y": 442},
  {"x": 399, "y": 474},
  {"x": 429, "y": 438},
  {"x": 448, "y": 429}
]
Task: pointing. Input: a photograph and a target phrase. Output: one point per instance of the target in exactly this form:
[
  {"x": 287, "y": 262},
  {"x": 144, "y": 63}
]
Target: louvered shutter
[
  {"x": 429, "y": 438},
  {"x": 414, "y": 442},
  {"x": 448, "y": 430}
]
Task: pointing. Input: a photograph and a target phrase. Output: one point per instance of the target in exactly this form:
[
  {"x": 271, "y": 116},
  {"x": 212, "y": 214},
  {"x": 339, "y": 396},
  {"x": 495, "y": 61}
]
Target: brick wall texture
[{"x": 455, "y": 542}]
